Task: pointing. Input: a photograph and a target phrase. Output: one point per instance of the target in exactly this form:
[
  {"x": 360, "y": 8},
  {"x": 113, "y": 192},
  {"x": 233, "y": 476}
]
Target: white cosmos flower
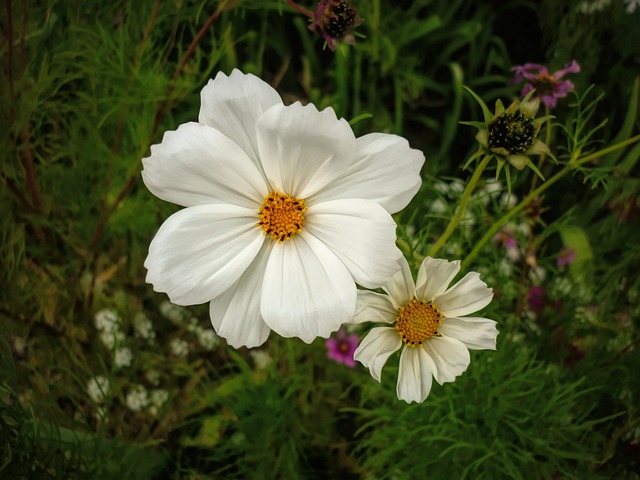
[
  {"x": 428, "y": 321},
  {"x": 286, "y": 210}
]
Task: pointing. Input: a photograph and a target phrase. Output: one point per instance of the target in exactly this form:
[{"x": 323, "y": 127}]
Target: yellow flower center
[
  {"x": 281, "y": 216},
  {"x": 417, "y": 321}
]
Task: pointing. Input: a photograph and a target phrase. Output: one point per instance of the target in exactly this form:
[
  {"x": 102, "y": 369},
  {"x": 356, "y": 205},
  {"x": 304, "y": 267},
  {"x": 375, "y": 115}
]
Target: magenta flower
[
  {"x": 549, "y": 87},
  {"x": 566, "y": 257},
  {"x": 537, "y": 298},
  {"x": 341, "y": 347},
  {"x": 334, "y": 20},
  {"x": 506, "y": 239}
]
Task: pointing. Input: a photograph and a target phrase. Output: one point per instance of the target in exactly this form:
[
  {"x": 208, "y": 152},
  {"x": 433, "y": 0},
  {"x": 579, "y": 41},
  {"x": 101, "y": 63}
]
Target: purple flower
[
  {"x": 341, "y": 347},
  {"x": 537, "y": 298},
  {"x": 566, "y": 257},
  {"x": 549, "y": 87},
  {"x": 334, "y": 20}
]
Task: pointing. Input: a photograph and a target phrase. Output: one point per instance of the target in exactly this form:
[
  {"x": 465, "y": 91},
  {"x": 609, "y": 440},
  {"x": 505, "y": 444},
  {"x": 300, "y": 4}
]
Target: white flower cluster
[
  {"x": 98, "y": 388},
  {"x": 107, "y": 322},
  {"x": 143, "y": 327},
  {"x": 139, "y": 398},
  {"x": 631, "y": 6}
]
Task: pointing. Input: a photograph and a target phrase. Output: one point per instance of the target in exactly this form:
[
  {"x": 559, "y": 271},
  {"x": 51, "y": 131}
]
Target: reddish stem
[{"x": 300, "y": 9}]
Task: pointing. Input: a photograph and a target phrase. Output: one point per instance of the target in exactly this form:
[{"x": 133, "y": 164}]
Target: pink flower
[
  {"x": 341, "y": 347},
  {"x": 549, "y": 87},
  {"x": 334, "y": 20},
  {"x": 566, "y": 257}
]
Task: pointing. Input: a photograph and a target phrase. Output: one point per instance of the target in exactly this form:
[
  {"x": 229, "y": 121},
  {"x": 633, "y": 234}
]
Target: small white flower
[
  {"x": 122, "y": 357},
  {"x": 97, "y": 388},
  {"x": 143, "y": 327},
  {"x": 631, "y": 6},
  {"x": 429, "y": 319},
  {"x": 158, "y": 399},
  {"x": 112, "y": 338},
  {"x": 508, "y": 200},
  {"x": 438, "y": 206},
  {"x": 174, "y": 313},
  {"x": 137, "y": 398},
  {"x": 261, "y": 359},
  {"x": 107, "y": 321},
  {"x": 456, "y": 187},
  {"x": 179, "y": 347},
  {"x": 285, "y": 212},
  {"x": 208, "y": 339}
]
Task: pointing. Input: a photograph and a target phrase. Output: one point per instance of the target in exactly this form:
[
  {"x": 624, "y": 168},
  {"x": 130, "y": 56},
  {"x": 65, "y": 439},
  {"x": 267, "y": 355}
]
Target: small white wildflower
[
  {"x": 175, "y": 313},
  {"x": 207, "y": 338},
  {"x": 508, "y": 201},
  {"x": 192, "y": 324},
  {"x": 122, "y": 357},
  {"x": 159, "y": 397},
  {"x": 537, "y": 273},
  {"x": 506, "y": 266},
  {"x": 456, "y": 187},
  {"x": 493, "y": 187},
  {"x": 261, "y": 359},
  {"x": 143, "y": 327},
  {"x": 179, "y": 347},
  {"x": 137, "y": 399},
  {"x": 441, "y": 187},
  {"x": 107, "y": 320},
  {"x": 438, "y": 206},
  {"x": 97, "y": 388},
  {"x": 112, "y": 338},
  {"x": 632, "y": 5}
]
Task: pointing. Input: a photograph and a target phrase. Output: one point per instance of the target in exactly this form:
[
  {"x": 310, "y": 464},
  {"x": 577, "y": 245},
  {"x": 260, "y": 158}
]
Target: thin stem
[
  {"x": 453, "y": 223},
  {"x": 543, "y": 156},
  {"x": 300, "y": 9},
  {"x": 573, "y": 163}
]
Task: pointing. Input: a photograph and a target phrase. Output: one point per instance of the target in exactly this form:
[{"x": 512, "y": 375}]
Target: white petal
[
  {"x": 374, "y": 307},
  {"x": 303, "y": 150},
  {"x": 415, "y": 375},
  {"x": 233, "y": 105},
  {"x": 384, "y": 170},
  {"x": 307, "y": 291},
  {"x": 449, "y": 356},
  {"x": 467, "y": 296},
  {"x": 434, "y": 276},
  {"x": 476, "y": 333},
  {"x": 375, "y": 349},
  {"x": 361, "y": 234},
  {"x": 201, "y": 251},
  {"x": 235, "y": 314},
  {"x": 401, "y": 288},
  {"x": 197, "y": 165}
]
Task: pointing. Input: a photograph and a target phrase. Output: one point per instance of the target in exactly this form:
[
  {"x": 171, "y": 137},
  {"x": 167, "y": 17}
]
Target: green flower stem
[
  {"x": 573, "y": 163},
  {"x": 543, "y": 156},
  {"x": 453, "y": 223}
]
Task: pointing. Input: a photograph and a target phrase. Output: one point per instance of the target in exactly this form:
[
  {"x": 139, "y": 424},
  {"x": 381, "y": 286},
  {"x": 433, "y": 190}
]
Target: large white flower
[
  {"x": 430, "y": 321},
  {"x": 286, "y": 210}
]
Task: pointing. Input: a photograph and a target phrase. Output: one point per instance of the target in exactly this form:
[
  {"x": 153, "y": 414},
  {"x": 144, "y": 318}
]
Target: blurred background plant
[{"x": 103, "y": 378}]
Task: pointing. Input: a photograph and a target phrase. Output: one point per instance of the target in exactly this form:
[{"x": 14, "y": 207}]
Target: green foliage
[
  {"x": 509, "y": 416},
  {"x": 87, "y": 87}
]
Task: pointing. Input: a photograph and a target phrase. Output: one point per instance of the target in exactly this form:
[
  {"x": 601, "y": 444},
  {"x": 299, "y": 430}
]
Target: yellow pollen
[
  {"x": 417, "y": 321},
  {"x": 281, "y": 216}
]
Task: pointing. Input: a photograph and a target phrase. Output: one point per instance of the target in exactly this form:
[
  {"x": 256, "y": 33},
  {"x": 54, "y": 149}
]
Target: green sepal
[{"x": 485, "y": 110}]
